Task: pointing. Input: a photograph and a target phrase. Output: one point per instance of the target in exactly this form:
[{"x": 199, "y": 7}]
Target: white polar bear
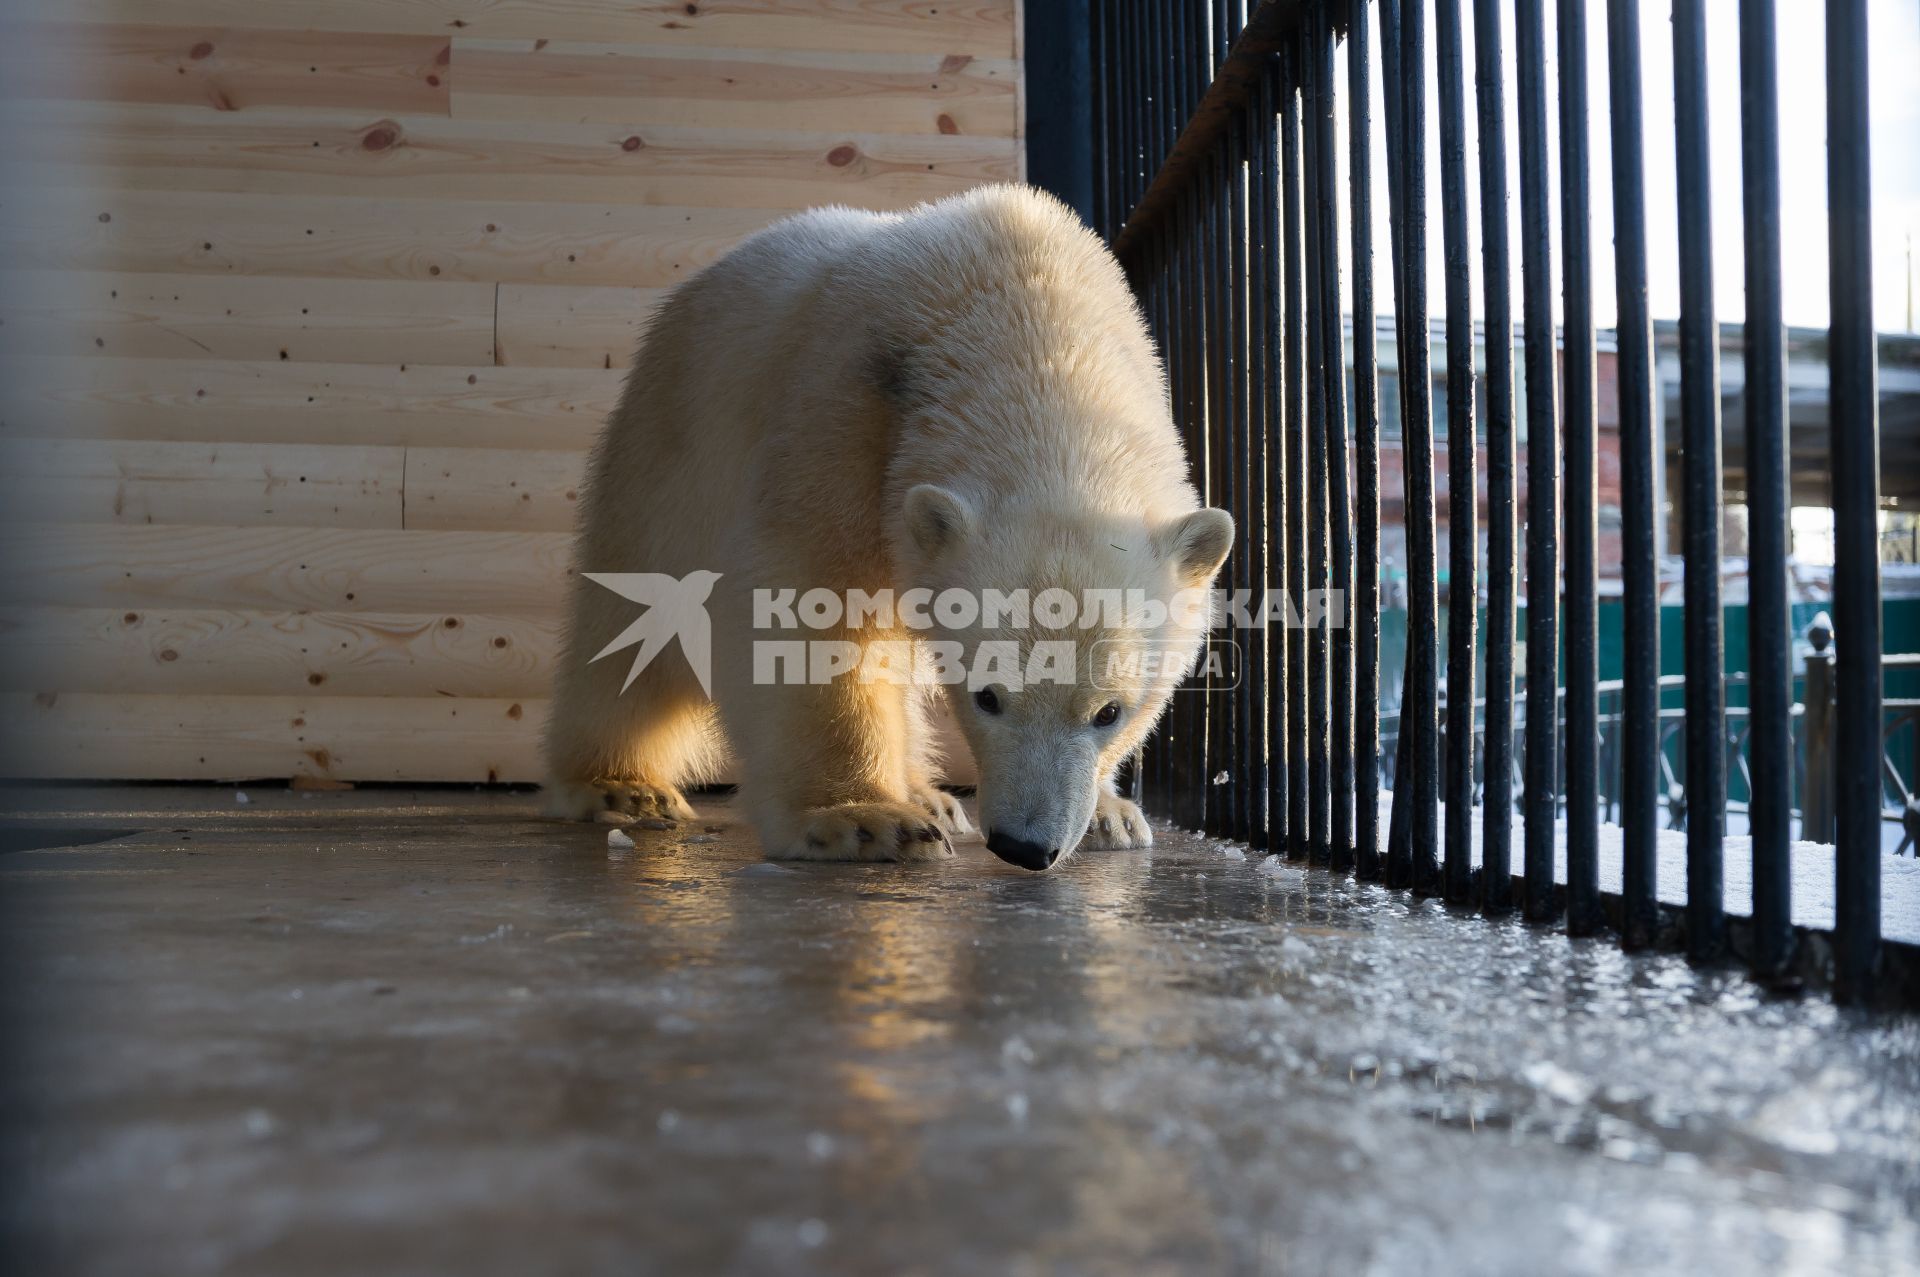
[{"x": 960, "y": 396}]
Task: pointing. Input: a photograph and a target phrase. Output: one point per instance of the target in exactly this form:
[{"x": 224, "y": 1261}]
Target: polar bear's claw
[
  {"x": 1117, "y": 824},
  {"x": 617, "y": 802},
  {"x": 869, "y": 831},
  {"x": 944, "y": 807}
]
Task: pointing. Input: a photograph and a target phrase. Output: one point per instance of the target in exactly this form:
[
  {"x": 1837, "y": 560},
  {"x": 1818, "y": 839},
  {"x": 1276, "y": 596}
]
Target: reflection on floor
[{"x": 385, "y": 1031}]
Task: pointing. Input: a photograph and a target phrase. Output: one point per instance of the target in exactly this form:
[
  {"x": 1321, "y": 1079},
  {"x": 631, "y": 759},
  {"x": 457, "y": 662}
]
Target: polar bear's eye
[
  {"x": 1109, "y": 715},
  {"x": 987, "y": 701}
]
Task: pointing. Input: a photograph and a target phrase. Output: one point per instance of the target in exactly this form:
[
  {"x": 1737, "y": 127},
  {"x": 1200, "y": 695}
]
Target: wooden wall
[{"x": 309, "y": 308}]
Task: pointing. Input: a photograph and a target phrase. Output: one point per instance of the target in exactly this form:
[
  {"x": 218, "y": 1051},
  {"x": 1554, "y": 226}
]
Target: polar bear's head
[{"x": 1055, "y": 700}]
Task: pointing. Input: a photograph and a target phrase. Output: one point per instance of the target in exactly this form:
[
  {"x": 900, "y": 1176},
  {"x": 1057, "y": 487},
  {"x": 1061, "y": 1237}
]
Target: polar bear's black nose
[{"x": 1018, "y": 851}]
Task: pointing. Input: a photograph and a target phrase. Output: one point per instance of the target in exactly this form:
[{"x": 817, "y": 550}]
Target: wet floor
[{"x": 381, "y": 1032}]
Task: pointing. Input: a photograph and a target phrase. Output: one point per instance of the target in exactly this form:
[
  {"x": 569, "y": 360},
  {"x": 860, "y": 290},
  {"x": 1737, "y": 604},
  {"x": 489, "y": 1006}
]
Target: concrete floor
[{"x": 387, "y": 1032}]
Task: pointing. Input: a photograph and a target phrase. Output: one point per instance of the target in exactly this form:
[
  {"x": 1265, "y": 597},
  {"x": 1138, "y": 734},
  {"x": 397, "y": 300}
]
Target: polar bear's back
[{"x": 764, "y": 364}]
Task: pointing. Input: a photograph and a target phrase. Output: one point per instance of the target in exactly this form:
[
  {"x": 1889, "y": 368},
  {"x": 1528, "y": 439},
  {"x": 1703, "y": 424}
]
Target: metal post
[
  {"x": 1706, "y": 737},
  {"x": 1543, "y": 467},
  {"x": 1319, "y": 778},
  {"x": 1463, "y": 541},
  {"x": 1366, "y": 427},
  {"x": 1854, "y": 412},
  {"x": 1496, "y": 839},
  {"x": 1816, "y": 803},
  {"x": 1279, "y": 391},
  {"x": 1769, "y": 668},
  {"x": 1333, "y": 401},
  {"x": 1294, "y": 440},
  {"x": 1419, "y": 707},
  {"x": 1640, "y": 482},
  {"x": 1581, "y": 445}
]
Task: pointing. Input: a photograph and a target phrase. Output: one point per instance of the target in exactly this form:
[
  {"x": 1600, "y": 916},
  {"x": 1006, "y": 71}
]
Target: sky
[{"x": 1894, "y": 89}]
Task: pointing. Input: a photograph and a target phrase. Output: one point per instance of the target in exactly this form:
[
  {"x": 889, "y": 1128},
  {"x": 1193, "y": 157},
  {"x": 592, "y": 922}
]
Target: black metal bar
[
  {"x": 1366, "y": 427},
  {"x": 1150, "y": 84},
  {"x": 1268, "y": 25},
  {"x": 1543, "y": 466},
  {"x": 1854, "y": 409},
  {"x": 1294, "y": 441},
  {"x": 1399, "y": 851},
  {"x": 1206, "y": 323},
  {"x": 1496, "y": 838},
  {"x": 1165, "y": 246},
  {"x": 1420, "y": 704},
  {"x": 1249, "y": 513},
  {"x": 1223, "y": 463},
  {"x": 1274, "y": 428},
  {"x": 1199, "y": 294},
  {"x": 1337, "y": 625},
  {"x": 1394, "y": 104},
  {"x": 1188, "y": 757},
  {"x": 1769, "y": 652},
  {"x": 1233, "y": 459},
  {"x": 1706, "y": 736},
  {"x": 1103, "y": 96},
  {"x": 1130, "y": 113},
  {"x": 1639, "y": 751},
  {"x": 1060, "y": 132},
  {"x": 1580, "y": 442},
  {"x": 1319, "y": 779},
  {"x": 1463, "y": 548},
  {"x": 1400, "y": 818}
]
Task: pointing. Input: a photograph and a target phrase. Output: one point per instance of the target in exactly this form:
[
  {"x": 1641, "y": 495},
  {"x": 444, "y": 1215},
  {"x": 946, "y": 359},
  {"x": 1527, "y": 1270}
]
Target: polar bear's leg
[
  {"x": 923, "y": 763},
  {"x": 627, "y": 753},
  {"x": 1117, "y": 822},
  {"x": 826, "y": 773}
]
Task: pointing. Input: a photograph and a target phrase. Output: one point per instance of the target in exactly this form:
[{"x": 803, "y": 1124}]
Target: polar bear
[{"x": 962, "y": 396}]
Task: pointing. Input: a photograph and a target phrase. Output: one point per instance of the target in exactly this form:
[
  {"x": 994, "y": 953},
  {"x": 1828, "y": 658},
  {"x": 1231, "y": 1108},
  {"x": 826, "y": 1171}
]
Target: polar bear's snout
[
  {"x": 1021, "y": 852},
  {"x": 1035, "y": 805}
]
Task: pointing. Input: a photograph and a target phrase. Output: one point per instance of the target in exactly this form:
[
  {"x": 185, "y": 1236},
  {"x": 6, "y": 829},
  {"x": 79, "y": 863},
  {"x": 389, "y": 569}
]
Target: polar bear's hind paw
[{"x": 616, "y": 801}]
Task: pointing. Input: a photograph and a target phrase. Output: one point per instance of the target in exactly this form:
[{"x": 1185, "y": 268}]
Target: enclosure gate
[{"x": 1215, "y": 180}]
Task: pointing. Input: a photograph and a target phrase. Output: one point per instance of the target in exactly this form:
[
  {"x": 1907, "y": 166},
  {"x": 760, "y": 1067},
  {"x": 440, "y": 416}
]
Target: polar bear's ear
[
  {"x": 937, "y": 519},
  {"x": 1197, "y": 543}
]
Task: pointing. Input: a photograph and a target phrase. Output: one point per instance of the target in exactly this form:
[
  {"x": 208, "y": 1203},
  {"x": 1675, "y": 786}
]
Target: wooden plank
[
  {"x": 654, "y": 84},
  {"x": 346, "y": 404},
  {"x": 289, "y": 153},
  {"x": 570, "y": 327},
  {"x": 107, "y": 481},
  {"x": 225, "y": 68},
  {"x": 114, "y": 737},
  {"x": 485, "y": 489},
  {"x": 981, "y": 28},
  {"x": 339, "y": 237},
  {"x": 237, "y": 317},
  {"x": 232, "y": 653},
  {"x": 263, "y": 569}
]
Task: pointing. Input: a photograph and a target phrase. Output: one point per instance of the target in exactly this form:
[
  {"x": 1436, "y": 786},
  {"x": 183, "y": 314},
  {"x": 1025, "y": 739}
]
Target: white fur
[{"x": 982, "y": 353}]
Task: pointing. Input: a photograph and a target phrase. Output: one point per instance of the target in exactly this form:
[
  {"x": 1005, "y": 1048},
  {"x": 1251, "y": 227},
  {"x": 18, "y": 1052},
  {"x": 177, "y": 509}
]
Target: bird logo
[{"x": 676, "y": 608}]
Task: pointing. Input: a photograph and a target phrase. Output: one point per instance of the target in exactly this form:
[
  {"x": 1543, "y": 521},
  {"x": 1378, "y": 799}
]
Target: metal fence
[
  {"x": 1807, "y": 788},
  {"x": 1217, "y": 182}
]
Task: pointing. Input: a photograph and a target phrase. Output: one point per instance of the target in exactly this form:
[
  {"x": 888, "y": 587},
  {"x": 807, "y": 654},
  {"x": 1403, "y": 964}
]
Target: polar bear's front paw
[
  {"x": 1117, "y": 823},
  {"x": 944, "y": 807},
  {"x": 618, "y": 802},
  {"x": 867, "y": 831}
]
